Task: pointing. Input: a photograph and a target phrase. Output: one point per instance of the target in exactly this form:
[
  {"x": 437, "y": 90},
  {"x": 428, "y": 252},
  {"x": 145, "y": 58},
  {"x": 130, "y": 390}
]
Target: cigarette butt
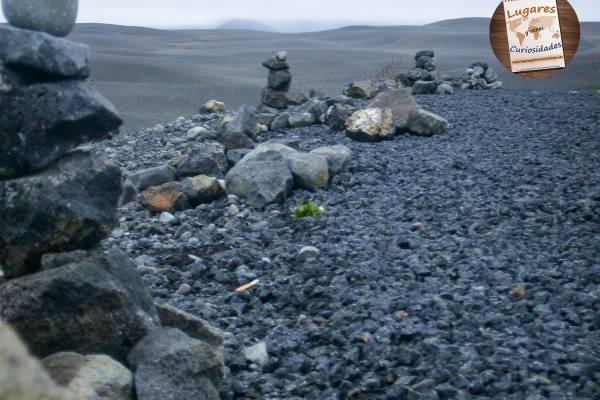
[{"x": 247, "y": 286}]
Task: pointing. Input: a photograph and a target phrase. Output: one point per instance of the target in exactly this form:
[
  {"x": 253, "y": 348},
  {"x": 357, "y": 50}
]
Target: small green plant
[{"x": 307, "y": 209}]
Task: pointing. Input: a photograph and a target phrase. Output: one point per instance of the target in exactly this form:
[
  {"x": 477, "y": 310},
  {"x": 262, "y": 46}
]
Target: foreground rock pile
[
  {"x": 85, "y": 311},
  {"x": 479, "y": 76}
]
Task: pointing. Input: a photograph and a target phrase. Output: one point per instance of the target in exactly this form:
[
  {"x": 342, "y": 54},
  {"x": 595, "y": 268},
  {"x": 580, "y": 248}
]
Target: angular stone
[
  {"x": 71, "y": 205},
  {"x": 95, "y": 305},
  {"x": 260, "y": 182},
  {"x": 336, "y": 117},
  {"x": 490, "y": 75},
  {"x": 167, "y": 197},
  {"x": 43, "y": 53},
  {"x": 280, "y": 122},
  {"x": 362, "y": 90},
  {"x": 424, "y": 87},
  {"x": 155, "y": 176},
  {"x": 21, "y": 376},
  {"x": 192, "y": 326},
  {"x": 235, "y": 155},
  {"x": 207, "y": 159},
  {"x": 275, "y": 98},
  {"x": 425, "y": 123},
  {"x": 269, "y": 151},
  {"x": 401, "y": 102},
  {"x": 444, "y": 88},
  {"x": 212, "y": 106},
  {"x": 93, "y": 377},
  {"x": 56, "y": 17},
  {"x": 424, "y": 53},
  {"x": 298, "y": 98},
  {"x": 301, "y": 119},
  {"x": 202, "y": 189},
  {"x": 238, "y": 131},
  {"x": 310, "y": 171},
  {"x": 274, "y": 64},
  {"x": 338, "y": 157},
  {"x": 169, "y": 365},
  {"x": 371, "y": 124},
  {"x": 41, "y": 122},
  {"x": 280, "y": 79},
  {"x": 318, "y": 108}
]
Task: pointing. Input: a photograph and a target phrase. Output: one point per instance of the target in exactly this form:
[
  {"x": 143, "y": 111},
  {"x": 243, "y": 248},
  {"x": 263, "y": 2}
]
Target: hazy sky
[{"x": 173, "y": 13}]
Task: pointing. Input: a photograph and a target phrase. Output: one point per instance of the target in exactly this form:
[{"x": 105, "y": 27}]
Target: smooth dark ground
[{"x": 154, "y": 76}]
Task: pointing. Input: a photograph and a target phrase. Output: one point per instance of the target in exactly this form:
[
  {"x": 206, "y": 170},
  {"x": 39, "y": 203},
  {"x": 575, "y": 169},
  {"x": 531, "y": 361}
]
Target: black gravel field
[{"x": 462, "y": 266}]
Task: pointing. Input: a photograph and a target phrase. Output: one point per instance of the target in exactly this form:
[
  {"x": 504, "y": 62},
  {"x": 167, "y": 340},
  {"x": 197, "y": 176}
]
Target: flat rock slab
[
  {"x": 71, "y": 205},
  {"x": 40, "y": 123},
  {"x": 97, "y": 305},
  {"x": 43, "y": 54}
]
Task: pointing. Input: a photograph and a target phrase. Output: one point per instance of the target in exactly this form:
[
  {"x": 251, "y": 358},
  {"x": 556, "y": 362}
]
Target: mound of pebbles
[
  {"x": 454, "y": 267},
  {"x": 85, "y": 311}
]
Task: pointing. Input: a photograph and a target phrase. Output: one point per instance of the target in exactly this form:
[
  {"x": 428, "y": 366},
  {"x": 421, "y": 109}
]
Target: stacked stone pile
[
  {"x": 479, "y": 76},
  {"x": 83, "y": 310},
  {"x": 276, "y": 93}
]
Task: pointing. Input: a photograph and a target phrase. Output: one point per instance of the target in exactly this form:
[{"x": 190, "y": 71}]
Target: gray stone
[
  {"x": 265, "y": 119},
  {"x": 269, "y": 151},
  {"x": 310, "y": 171},
  {"x": 280, "y": 122},
  {"x": 143, "y": 179},
  {"x": 298, "y": 98},
  {"x": 371, "y": 124},
  {"x": 257, "y": 354},
  {"x": 40, "y": 123},
  {"x": 280, "y": 79},
  {"x": 235, "y": 155},
  {"x": 212, "y": 106},
  {"x": 169, "y": 365},
  {"x": 424, "y": 53},
  {"x": 401, "y": 103},
  {"x": 91, "y": 377},
  {"x": 22, "y": 376},
  {"x": 275, "y": 64},
  {"x": 260, "y": 182},
  {"x": 275, "y": 98},
  {"x": 444, "y": 88},
  {"x": 70, "y": 205},
  {"x": 307, "y": 253},
  {"x": 318, "y": 108},
  {"x": 362, "y": 89},
  {"x": 490, "y": 76},
  {"x": 424, "y": 87},
  {"x": 43, "y": 53},
  {"x": 239, "y": 131},
  {"x": 301, "y": 119},
  {"x": 207, "y": 159},
  {"x": 202, "y": 189},
  {"x": 166, "y": 218},
  {"x": 192, "y": 326},
  {"x": 97, "y": 305},
  {"x": 281, "y": 55},
  {"x": 478, "y": 70},
  {"x": 197, "y": 132},
  {"x": 166, "y": 197},
  {"x": 338, "y": 157},
  {"x": 336, "y": 117},
  {"x": 56, "y": 17},
  {"x": 425, "y": 123}
]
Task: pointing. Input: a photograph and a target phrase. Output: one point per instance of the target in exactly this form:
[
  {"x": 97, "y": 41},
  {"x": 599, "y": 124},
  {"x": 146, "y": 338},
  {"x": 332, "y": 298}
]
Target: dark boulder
[
  {"x": 207, "y": 159},
  {"x": 154, "y": 176},
  {"x": 275, "y": 98},
  {"x": 71, "y": 205},
  {"x": 97, "y": 305},
  {"x": 280, "y": 79},
  {"x": 260, "y": 182}
]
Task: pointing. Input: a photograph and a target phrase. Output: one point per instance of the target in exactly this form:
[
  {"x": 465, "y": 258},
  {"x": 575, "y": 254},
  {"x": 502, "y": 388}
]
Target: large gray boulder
[
  {"x": 400, "y": 102},
  {"x": 310, "y": 171},
  {"x": 71, "y": 205},
  {"x": 280, "y": 122},
  {"x": 207, "y": 159},
  {"x": 91, "y": 377},
  {"x": 56, "y": 17},
  {"x": 260, "y": 182},
  {"x": 42, "y": 53},
  {"x": 170, "y": 365},
  {"x": 271, "y": 150},
  {"x": 338, "y": 157},
  {"x": 298, "y": 119},
  {"x": 39, "y": 123},
  {"x": 371, "y": 124},
  {"x": 97, "y": 305},
  {"x": 22, "y": 376},
  {"x": 239, "y": 131},
  {"x": 426, "y": 123}
]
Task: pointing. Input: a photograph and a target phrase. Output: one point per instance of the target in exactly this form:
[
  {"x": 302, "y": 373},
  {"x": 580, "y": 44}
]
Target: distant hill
[{"x": 246, "y": 24}]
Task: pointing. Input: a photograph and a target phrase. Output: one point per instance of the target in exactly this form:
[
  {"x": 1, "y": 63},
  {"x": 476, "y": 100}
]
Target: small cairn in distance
[
  {"x": 479, "y": 76},
  {"x": 276, "y": 93}
]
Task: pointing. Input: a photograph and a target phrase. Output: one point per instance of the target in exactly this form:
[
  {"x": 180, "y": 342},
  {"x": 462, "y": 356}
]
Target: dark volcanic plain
[
  {"x": 154, "y": 76},
  {"x": 462, "y": 266}
]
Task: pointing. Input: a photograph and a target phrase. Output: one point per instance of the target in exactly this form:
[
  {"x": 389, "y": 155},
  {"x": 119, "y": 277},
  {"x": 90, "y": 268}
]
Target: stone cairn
[
  {"x": 424, "y": 78},
  {"x": 84, "y": 310},
  {"x": 280, "y": 79},
  {"x": 479, "y": 76}
]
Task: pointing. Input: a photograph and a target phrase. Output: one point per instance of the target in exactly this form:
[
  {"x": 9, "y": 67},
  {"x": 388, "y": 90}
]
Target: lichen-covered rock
[
  {"x": 212, "y": 107},
  {"x": 425, "y": 123},
  {"x": 21, "y": 376},
  {"x": 91, "y": 377},
  {"x": 97, "y": 305},
  {"x": 69, "y": 206},
  {"x": 167, "y": 197},
  {"x": 371, "y": 124},
  {"x": 44, "y": 54},
  {"x": 170, "y": 365}
]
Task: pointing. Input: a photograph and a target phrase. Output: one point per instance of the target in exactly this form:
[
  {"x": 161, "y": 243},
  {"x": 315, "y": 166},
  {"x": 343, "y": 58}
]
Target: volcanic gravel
[{"x": 461, "y": 266}]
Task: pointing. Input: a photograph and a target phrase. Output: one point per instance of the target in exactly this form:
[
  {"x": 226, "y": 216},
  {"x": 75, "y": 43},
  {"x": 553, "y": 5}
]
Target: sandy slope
[{"x": 157, "y": 75}]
